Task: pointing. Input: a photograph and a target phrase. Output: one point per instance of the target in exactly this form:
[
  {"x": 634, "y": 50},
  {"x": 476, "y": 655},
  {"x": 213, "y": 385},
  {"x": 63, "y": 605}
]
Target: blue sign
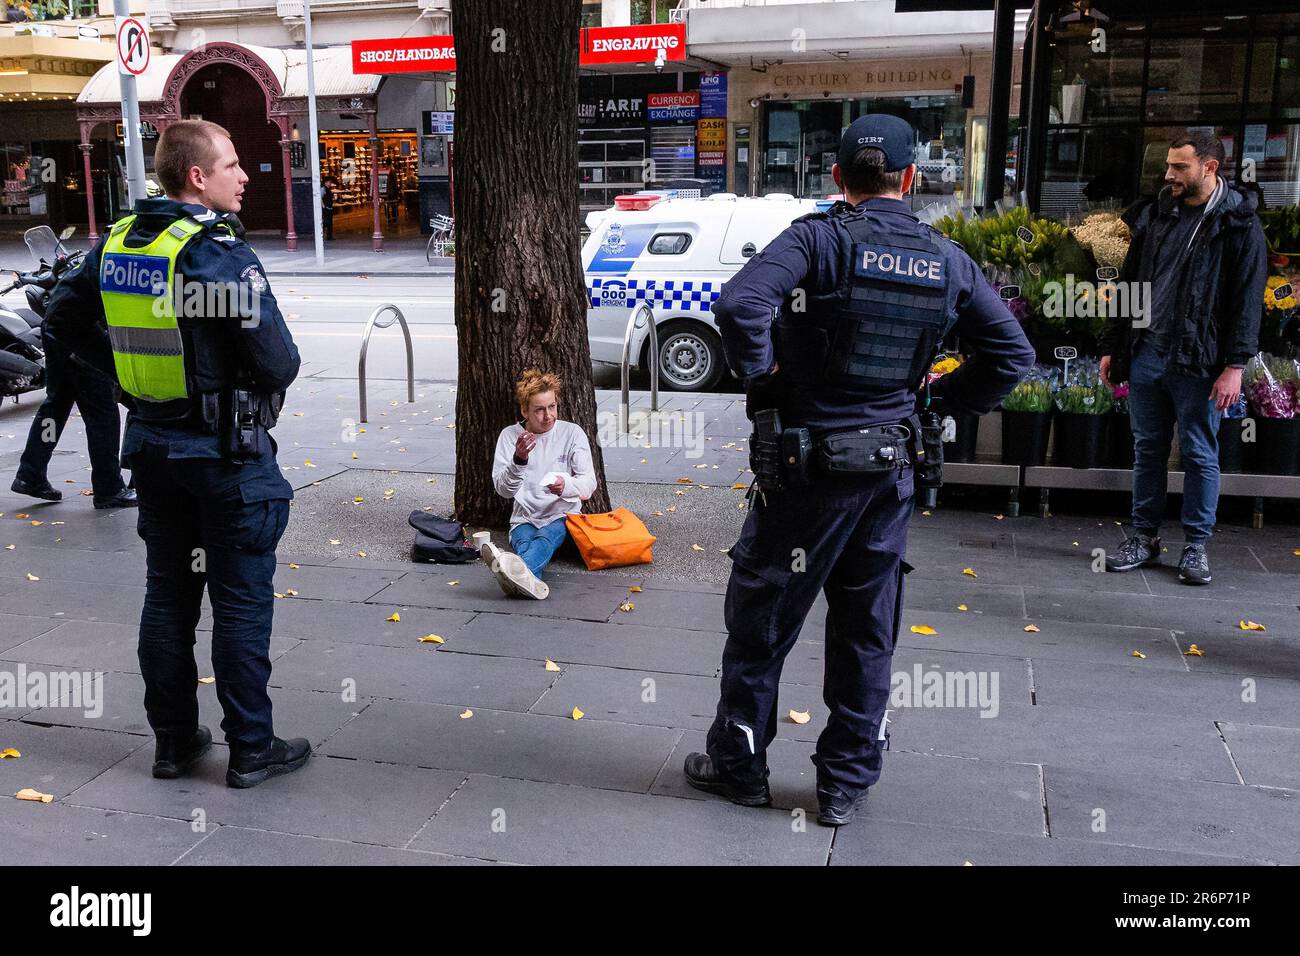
[
  {"x": 133, "y": 274},
  {"x": 669, "y": 113},
  {"x": 713, "y": 95}
]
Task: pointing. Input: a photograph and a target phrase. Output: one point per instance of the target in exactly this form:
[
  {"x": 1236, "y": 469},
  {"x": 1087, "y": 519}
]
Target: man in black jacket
[{"x": 1199, "y": 254}]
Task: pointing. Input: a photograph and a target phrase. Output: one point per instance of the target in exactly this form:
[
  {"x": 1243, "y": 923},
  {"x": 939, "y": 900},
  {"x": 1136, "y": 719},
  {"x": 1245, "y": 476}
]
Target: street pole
[
  {"x": 315, "y": 135},
  {"x": 135, "y": 190}
]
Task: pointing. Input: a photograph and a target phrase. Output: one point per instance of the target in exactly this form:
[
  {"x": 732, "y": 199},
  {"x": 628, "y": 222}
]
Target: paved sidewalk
[
  {"x": 350, "y": 256},
  {"x": 1088, "y": 754}
]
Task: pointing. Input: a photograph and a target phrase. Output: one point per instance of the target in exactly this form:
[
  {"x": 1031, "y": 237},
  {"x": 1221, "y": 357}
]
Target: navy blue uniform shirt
[
  {"x": 807, "y": 255},
  {"x": 263, "y": 350}
]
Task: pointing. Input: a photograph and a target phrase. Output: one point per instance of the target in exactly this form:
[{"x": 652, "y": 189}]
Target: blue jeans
[
  {"x": 1158, "y": 400},
  {"x": 537, "y": 545}
]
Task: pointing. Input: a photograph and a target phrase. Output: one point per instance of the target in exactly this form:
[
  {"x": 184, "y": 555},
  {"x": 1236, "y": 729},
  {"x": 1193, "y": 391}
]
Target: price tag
[
  {"x": 1282, "y": 292},
  {"x": 1107, "y": 274},
  {"x": 1066, "y": 352},
  {"x": 1025, "y": 234},
  {"x": 1009, "y": 292}
]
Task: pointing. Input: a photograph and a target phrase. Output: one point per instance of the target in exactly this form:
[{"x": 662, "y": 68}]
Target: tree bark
[{"x": 520, "y": 294}]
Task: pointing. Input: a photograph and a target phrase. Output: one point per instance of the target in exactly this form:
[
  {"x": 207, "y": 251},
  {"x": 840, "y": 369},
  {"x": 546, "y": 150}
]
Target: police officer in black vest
[
  {"x": 833, "y": 328},
  {"x": 174, "y": 305}
]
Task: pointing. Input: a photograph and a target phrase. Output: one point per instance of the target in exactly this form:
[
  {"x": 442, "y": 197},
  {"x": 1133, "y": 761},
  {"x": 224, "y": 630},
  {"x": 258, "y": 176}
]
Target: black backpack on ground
[{"x": 439, "y": 540}]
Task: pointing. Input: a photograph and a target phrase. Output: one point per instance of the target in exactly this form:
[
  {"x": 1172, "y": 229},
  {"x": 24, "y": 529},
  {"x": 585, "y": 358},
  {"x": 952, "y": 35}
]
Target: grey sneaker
[
  {"x": 1194, "y": 565},
  {"x": 512, "y": 575},
  {"x": 1137, "y": 550}
]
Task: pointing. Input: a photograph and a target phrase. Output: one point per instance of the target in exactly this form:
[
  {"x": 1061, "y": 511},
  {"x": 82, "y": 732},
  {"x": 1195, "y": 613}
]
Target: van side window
[{"x": 669, "y": 244}]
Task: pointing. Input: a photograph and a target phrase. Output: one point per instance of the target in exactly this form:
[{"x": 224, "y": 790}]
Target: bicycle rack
[
  {"x": 623, "y": 422},
  {"x": 371, "y": 324}
]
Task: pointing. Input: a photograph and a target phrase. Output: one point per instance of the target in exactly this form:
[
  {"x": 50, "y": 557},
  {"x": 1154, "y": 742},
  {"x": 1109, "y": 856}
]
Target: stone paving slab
[
  {"x": 17, "y": 628},
  {"x": 1198, "y": 693},
  {"x": 1244, "y": 653},
  {"x": 1167, "y": 747},
  {"x": 345, "y": 799},
  {"x": 478, "y": 591},
  {"x": 898, "y": 843},
  {"x": 634, "y": 646},
  {"x": 241, "y": 846},
  {"x": 341, "y": 621},
  {"x": 587, "y": 753},
  {"x": 546, "y": 823},
  {"x": 1189, "y": 613},
  {"x": 56, "y": 564},
  {"x": 56, "y": 834},
  {"x": 1267, "y": 756},
  {"x": 58, "y": 760},
  {"x": 1251, "y": 823},
  {"x": 415, "y": 672}
]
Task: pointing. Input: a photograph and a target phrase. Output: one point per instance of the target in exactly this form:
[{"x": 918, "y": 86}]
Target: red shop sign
[
  {"x": 672, "y": 100},
  {"x": 632, "y": 44},
  {"x": 404, "y": 55},
  {"x": 595, "y": 45}
]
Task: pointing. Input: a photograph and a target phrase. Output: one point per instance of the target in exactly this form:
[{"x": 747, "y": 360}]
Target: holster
[
  {"x": 242, "y": 418},
  {"x": 927, "y": 448}
]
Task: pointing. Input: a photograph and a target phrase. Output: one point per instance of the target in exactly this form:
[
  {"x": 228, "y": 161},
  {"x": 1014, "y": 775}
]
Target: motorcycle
[{"x": 22, "y": 352}]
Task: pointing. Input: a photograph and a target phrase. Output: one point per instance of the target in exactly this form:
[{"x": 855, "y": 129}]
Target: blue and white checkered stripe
[{"x": 678, "y": 295}]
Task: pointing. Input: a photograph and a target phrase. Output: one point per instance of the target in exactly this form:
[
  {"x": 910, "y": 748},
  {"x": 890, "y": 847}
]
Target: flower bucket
[
  {"x": 962, "y": 447},
  {"x": 1235, "y": 455},
  {"x": 1079, "y": 439},
  {"x": 1024, "y": 437},
  {"x": 1277, "y": 445}
]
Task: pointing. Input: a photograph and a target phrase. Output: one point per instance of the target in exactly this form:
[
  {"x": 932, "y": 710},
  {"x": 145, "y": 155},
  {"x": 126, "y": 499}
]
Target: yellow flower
[{"x": 1271, "y": 301}]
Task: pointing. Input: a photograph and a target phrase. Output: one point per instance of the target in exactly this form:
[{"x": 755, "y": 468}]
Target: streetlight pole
[
  {"x": 135, "y": 189},
  {"x": 314, "y": 130}
]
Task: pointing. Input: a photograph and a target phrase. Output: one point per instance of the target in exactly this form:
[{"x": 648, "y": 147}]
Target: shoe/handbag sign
[{"x": 132, "y": 46}]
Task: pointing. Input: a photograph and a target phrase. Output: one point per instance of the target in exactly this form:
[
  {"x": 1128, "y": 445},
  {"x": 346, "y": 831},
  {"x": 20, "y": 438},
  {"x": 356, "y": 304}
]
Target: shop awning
[{"x": 334, "y": 76}]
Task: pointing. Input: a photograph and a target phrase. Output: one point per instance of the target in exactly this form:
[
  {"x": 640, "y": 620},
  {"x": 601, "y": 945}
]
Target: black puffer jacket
[{"x": 1220, "y": 295}]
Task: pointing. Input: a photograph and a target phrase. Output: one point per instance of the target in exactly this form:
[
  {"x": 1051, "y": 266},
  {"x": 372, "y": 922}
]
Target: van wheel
[{"x": 690, "y": 357}]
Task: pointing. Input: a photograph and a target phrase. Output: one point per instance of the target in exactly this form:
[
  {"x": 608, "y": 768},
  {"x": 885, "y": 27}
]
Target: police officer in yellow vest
[{"x": 176, "y": 307}]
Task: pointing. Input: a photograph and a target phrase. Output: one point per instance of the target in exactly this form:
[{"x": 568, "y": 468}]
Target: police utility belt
[
  {"x": 241, "y": 417},
  {"x": 783, "y": 458}
]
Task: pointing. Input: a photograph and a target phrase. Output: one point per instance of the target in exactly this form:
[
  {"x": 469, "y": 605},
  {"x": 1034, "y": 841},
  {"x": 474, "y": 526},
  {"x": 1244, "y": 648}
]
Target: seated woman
[{"x": 545, "y": 465}]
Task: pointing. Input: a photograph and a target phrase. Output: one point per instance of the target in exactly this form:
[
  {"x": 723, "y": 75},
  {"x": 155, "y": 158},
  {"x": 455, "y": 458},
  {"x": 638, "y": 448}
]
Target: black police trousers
[
  {"x": 209, "y": 522},
  {"x": 66, "y": 384},
  {"x": 846, "y": 537}
]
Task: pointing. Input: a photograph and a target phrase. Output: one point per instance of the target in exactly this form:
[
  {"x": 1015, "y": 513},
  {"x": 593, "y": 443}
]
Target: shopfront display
[{"x": 345, "y": 158}]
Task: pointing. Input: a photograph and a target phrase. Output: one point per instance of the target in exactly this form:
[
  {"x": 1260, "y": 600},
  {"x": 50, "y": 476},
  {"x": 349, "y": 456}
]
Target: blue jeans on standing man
[
  {"x": 1159, "y": 399},
  {"x": 537, "y": 545}
]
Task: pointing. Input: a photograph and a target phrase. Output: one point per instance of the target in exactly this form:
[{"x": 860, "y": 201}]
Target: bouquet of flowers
[
  {"x": 1084, "y": 392},
  {"x": 1272, "y": 383},
  {"x": 1106, "y": 236},
  {"x": 1033, "y": 393},
  {"x": 942, "y": 366},
  {"x": 1120, "y": 398}
]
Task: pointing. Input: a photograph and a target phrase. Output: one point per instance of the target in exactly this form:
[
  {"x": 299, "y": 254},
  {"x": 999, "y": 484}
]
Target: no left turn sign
[{"x": 132, "y": 46}]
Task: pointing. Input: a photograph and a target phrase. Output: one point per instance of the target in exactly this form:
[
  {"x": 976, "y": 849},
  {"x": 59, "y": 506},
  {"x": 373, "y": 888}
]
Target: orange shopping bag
[{"x": 611, "y": 539}]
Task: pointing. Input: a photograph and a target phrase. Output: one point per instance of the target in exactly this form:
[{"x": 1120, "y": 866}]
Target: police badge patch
[{"x": 253, "y": 276}]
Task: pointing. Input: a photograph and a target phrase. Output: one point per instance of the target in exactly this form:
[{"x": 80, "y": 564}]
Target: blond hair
[
  {"x": 534, "y": 382},
  {"x": 182, "y": 146}
]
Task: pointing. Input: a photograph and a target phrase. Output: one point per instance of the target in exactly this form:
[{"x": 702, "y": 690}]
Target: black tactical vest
[{"x": 879, "y": 330}]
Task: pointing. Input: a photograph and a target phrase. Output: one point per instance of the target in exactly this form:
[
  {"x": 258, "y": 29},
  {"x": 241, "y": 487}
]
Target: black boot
[
  {"x": 123, "y": 499},
  {"x": 248, "y": 768},
  {"x": 34, "y": 489},
  {"x": 174, "y": 754},
  {"x": 834, "y": 807},
  {"x": 703, "y": 775}
]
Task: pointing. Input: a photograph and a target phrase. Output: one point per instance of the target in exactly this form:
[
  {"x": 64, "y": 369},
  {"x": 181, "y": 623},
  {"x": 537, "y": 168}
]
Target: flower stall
[{"x": 1065, "y": 427}]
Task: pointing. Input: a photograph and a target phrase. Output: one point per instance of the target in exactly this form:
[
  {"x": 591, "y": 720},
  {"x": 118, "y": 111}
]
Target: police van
[{"x": 673, "y": 254}]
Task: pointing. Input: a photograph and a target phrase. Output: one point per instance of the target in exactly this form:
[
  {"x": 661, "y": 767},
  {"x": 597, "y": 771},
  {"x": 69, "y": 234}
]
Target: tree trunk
[{"x": 520, "y": 294}]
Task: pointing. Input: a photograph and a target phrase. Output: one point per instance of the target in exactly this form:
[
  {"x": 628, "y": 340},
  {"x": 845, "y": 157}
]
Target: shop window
[
  {"x": 670, "y": 244},
  {"x": 591, "y": 15},
  {"x": 1275, "y": 150},
  {"x": 652, "y": 11},
  {"x": 1195, "y": 79},
  {"x": 1089, "y": 166},
  {"x": 1096, "y": 87}
]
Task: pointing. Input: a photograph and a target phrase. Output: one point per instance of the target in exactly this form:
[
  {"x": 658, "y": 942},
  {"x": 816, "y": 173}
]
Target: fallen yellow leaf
[
  {"x": 1031, "y": 628},
  {"x": 969, "y": 572},
  {"x": 680, "y": 481},
  {"x": 800, "y": 716},
  {"x": 309, "y": 463},
  {"x": 358, "y": 500},
  {"x": 294, "y": 567},
  {"x": 355, "y": 456},
  {"x": 738, "y": 486},
  {"x": 466, "y": 714},
  {"x": 10, "y": 547},
  {"x": 34, "y": 795},
  {"x": 361, "y": 554},
  {"x": 577, "y": 714},
  {"x": 635, "y": 589},
  {"x": 22, "y": 514},
  {"x": 627, "y": 606},
  {"x": 452, "y": 584},
  {"x": 1296, "y": 553},
  {"x": 37, "y": 524},
  {"x": 32, "y": 577},
  {"x": 277, "y": 594},
  {"x": 925, "y": 514},
  {"x": 696, "y": 547},
  {"x": 999, "y": 517},
  {"x": 335, "y": 541},
  {"x": 395, "y": 618},
  {"x": 1250, "y": 626},
  {"x": 1193, "y": 651},
  {"x": 923, "y": 629},
  {"x": 551, "y": 665},
  {"x": 1140, "y": 655},
  {"x": 207, "y": 680},
  {"x": 656, "y": 514},
  {"x": 962, "y": 607},
  {"x": 9, "y": 753},
  {"x": 432, "y": 639}
]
